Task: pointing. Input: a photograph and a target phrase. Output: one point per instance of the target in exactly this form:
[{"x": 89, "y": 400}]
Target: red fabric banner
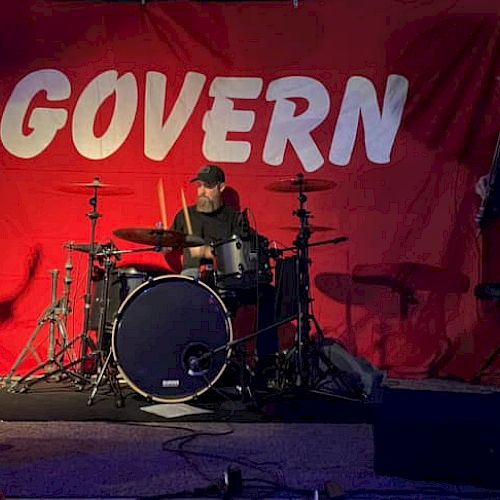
[{"x": 394, "y": 101}]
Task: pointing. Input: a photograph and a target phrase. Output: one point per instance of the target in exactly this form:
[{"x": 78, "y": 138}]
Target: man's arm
[{"x": 202, "y": 252}]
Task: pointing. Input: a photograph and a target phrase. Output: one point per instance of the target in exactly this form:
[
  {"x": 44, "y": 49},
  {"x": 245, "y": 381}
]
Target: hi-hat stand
[
  {"x": 58, "y": 311},
  {"x": 58, "y": 343}
]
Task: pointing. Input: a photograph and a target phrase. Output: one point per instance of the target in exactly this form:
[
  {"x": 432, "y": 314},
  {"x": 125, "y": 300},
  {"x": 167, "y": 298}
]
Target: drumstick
[
  {"x": 161, "y": 199},
  {"x": 186, "y": 213}
]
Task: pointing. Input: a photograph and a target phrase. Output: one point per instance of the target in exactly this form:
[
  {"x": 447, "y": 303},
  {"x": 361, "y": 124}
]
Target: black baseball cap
[{"x": 211, "y": 175}]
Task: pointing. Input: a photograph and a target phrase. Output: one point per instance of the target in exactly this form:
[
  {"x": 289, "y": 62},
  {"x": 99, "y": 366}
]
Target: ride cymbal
[
  {"x": 104, "y": 189},
  {"x": 299, "y": 184},
  {"x": 158, "y": 237}
]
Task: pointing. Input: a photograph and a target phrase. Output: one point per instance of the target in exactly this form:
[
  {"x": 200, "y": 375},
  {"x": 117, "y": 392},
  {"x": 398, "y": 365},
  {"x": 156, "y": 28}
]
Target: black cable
[
  {"x": 158, "y": 425},
  {"x": 183, "y": 440},
  {"x": 195, "y": 434},
  {"x": 239, "y": 461}
]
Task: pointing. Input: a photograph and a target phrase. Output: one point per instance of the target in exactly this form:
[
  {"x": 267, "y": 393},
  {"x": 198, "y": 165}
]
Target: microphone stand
[{"x": 195, "y": 361}]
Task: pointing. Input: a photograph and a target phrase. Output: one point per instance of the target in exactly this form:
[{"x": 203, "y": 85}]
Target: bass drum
[{"x": 163, "y": 336}]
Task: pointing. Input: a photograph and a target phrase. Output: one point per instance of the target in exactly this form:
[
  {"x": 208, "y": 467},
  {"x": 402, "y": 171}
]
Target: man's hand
[{"x": 202, "y": 252}]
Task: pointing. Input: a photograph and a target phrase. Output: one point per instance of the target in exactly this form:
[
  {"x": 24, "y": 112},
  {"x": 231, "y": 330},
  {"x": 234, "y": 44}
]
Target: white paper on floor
[{"x": 174, "y": 410}]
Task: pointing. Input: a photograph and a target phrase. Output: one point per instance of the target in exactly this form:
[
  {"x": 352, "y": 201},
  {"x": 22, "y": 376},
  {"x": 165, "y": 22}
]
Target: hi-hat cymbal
[
  {"x": 86, "y": 187},
  {"x": 299, "y": 184},
  {"x": 158, "y": 237}
]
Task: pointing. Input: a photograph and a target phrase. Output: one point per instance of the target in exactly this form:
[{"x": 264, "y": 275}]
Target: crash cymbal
[
  {"x": 158, "y": 237},
  {"x": 300, "y": 184},
  {"x": 313, "y": 228},
  {"x": 87, "y": 187}
]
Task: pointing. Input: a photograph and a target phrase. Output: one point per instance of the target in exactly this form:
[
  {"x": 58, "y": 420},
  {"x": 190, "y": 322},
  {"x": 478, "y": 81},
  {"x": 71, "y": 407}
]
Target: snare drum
[
  {"x": 242, "y": 263},
  {"x": 163, "y": 337}
]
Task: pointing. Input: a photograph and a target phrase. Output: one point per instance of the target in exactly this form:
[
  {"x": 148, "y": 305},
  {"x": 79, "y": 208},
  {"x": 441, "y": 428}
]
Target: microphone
[
  {"x": 197, "y": 360},
  {"x": 195, "y": 369}
]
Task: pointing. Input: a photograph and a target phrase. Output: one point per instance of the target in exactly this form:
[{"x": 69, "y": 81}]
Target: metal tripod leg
[
  {"x": 61, "y": 368},
  {"x": 54, "y": 315},
  {"x": 53, "y": 360},
  {"x": 112, "y": 381},
  {"x": 245, "y": 374},
  {"x": 29, "y": 347}
]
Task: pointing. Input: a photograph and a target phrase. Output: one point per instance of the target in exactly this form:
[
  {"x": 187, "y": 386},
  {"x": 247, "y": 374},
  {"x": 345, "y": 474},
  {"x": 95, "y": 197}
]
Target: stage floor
[{"x": 53, "y": 445}]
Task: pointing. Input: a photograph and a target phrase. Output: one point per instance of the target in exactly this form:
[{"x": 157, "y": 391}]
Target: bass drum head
[{"x": 161, "y": 331}]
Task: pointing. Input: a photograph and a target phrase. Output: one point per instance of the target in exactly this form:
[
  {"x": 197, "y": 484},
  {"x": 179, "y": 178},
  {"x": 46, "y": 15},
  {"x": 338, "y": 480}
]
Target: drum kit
[{"x": 170, "y": 337}]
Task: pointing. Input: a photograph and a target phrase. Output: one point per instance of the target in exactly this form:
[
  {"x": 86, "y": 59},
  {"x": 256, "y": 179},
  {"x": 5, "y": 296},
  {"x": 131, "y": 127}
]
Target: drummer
[
  {"x": 211, "y": 219},
  {"x": 214, "y": 222}
]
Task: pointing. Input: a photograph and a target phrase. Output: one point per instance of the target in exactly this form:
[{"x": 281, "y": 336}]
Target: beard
[{"x": 206, "y": 205}]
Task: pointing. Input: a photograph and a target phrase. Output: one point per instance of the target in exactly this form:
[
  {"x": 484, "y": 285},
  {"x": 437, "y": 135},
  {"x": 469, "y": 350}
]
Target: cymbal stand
[
  {"x": 86, "y": 342},
  {"x": 303, "y": 298},
  {"x": 56, "y": 315},
  {"x": 305, "y": 348}
]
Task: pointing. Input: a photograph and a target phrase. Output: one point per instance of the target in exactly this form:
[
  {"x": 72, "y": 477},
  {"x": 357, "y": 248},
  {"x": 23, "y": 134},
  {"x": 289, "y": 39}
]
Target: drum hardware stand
[
  {"x": 108, "y": 370},
  {"x": 301, "y": 246},
  {"x": 93, "y": 216},
  {"x": 305, "y": 347},
  {"x": 56, "y": 315},
  {"x": 105, "y": 368},
  {"x": 244, "y": 371}
]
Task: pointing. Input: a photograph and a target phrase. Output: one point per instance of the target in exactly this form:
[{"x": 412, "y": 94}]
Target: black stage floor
[
  {"x": 62, "y": 401},
  {"x": 432, "y": 430},
  {"x": 429, "y": 399}
]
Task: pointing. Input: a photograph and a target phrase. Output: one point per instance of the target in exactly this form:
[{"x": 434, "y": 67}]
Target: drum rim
[
  {"x": 134, "y": 271},
  {"x": 233, "y": 237},
  {"x": 132, "y": 385}
]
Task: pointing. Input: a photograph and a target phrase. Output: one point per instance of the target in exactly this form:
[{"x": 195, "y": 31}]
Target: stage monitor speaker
[
  {"x": 342, "y": 373},
  {"x": 443, "y": 435}
]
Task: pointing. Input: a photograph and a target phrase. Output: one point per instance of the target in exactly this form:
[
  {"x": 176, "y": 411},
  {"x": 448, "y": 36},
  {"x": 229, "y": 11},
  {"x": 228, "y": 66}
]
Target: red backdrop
[{"x": 395, "y": 101}]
